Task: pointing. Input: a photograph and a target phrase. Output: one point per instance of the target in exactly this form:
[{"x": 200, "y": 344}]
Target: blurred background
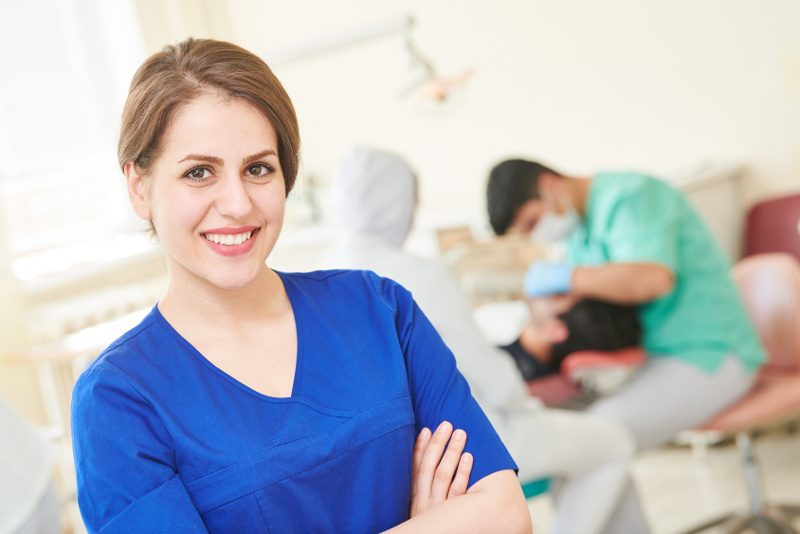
[{"x": 705, "y": 93}]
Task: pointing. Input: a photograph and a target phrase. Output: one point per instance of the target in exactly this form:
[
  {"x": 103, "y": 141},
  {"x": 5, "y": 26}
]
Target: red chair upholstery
[
  {"x": 554, "y": 390},
  {"x": 773, "y": 226},
  {"x": 591, "y": 372},
  {"x": 770, "y": 287},
  {"x": 594, "y": 372}
]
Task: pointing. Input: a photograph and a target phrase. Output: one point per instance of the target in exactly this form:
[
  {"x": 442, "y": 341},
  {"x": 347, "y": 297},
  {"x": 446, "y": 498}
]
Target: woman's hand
[{"x": 432, "y": 479}]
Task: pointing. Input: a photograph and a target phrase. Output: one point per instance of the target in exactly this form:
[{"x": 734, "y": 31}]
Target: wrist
[{"x": 548, "y": 278}]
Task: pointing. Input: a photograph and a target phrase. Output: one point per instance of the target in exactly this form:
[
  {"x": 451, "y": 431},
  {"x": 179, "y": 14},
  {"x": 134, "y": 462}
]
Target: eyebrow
[
  {"x": 219, "y": 161},
  {"x": 259, "y": 155}
]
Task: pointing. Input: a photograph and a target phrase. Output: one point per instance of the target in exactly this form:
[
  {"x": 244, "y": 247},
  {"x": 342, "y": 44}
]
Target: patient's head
[
  {"x": 578, "y": 324},
  {"x": 375, "y": 194}
]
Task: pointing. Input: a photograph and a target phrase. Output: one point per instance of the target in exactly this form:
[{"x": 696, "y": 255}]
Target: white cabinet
[{"x": 715, "y": 191}]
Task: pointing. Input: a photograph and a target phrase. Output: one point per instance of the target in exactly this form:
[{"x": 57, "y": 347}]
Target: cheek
[
  {"x": 171, "y": 211},
  {"x": 542, "y": 310},
  {"x": 272, "y": 204},
  {"x": 561, "y": 303},
  {"x": 526, "y": 217},
  {"x": 155, "y": 202}
]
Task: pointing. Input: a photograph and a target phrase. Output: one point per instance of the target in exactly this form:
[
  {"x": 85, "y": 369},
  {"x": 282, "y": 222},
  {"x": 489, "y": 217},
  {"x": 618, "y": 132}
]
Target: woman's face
[{"x": 216, "y": 192}]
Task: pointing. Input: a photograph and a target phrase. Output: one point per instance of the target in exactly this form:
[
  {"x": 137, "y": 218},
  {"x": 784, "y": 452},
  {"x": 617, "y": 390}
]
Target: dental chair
[
  {"x": 493, "y": 271},
  {"x": 773, "y": 225},
  {"x": 770, "y": 287},
  {"x": 586, "y": 374}
]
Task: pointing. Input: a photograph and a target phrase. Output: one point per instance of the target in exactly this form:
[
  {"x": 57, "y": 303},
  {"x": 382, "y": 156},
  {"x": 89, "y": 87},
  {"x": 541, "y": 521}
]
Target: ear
[
  {"x": 546, "y": 185},
  {"x": 138, "y": 191},
  {"x": 552, "y": 189},
  {"x": 547, "y": 179},
  {"x": 556, "y": 331}
]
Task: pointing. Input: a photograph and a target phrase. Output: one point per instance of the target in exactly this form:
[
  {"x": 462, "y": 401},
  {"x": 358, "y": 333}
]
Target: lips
[
  {"x": 231, "y": 241},
  {"x": 228, "y": 239}
]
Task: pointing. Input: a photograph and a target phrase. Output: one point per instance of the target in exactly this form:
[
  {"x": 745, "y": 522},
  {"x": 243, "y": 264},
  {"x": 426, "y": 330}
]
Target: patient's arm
[{"x": 623, "y": 283}]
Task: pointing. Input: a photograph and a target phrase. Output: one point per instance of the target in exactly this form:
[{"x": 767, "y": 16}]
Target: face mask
[{"x": 553, "y": 227}]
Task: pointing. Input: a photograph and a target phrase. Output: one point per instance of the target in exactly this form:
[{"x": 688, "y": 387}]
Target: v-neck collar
[{"x": 294, "y": 301}]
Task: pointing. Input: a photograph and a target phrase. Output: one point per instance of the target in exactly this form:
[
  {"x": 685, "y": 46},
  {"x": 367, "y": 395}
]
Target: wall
[{"x": 581, "y": 84}]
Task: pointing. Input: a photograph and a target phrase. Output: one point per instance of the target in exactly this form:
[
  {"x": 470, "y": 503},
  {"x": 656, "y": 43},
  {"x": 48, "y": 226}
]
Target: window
[{"x": 65, "y": 68}]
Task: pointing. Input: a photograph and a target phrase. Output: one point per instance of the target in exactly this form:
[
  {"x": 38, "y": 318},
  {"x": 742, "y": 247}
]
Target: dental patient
[{"x": 562, "y": 325}]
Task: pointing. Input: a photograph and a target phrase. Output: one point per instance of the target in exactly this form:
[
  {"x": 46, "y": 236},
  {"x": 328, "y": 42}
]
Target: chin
[
  {"x": 229, "y": 279},
  {"x": 235, "y": 282}
]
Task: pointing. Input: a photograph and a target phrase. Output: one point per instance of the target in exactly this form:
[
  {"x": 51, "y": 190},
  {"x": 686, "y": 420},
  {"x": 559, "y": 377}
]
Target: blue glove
[{"x": 547, "y": 278}]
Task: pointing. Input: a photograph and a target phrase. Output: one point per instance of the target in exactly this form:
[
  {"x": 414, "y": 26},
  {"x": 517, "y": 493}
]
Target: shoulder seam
[
  {"x": 134, "y": 387},
  {"x": 122, "y": 340}
]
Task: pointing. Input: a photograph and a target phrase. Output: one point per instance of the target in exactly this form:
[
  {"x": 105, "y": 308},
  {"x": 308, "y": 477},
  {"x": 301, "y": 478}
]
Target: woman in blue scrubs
[{"x": 250, "y": 400}]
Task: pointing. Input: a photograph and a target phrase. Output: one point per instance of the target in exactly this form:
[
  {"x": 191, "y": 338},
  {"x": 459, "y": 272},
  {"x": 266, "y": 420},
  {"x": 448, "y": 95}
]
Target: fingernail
[
  {"x": 466, "y": 458},
  {"x": 444, "y": 429},
  {"x": 459, "y": 435},
  {"x": 425, "y": 433}
]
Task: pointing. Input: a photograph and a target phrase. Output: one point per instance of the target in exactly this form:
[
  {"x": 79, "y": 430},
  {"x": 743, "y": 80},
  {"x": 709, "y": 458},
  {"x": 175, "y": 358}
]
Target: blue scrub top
[{"x": 164, "y": 441}]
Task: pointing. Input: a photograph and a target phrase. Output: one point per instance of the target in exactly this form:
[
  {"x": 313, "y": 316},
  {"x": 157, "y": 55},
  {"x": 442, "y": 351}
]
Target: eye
[
  {"x": 260, "y": 170},
  {"x": 198, "y": 174}
]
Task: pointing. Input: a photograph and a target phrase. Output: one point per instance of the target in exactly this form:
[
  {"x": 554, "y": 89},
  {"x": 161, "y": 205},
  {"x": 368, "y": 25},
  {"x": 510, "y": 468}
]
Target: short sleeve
[
  {"x": 113, "y": 429},
  {"x": 643, "y": 227},
  {"x": 438, "y": 390}
]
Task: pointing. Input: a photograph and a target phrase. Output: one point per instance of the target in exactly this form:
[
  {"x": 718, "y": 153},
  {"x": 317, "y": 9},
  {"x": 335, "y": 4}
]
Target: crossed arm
[{"x": 440, "y": 500}]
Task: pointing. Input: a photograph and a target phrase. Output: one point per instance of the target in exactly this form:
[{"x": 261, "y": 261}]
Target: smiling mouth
[{"x": 229, "y": 239}]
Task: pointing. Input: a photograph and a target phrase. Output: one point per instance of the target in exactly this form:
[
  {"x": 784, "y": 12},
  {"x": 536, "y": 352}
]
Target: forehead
[
  {"x": 562, "y": 303},
  {"x": 526, "y": 216},
  {"x": 543, "y": 308},
  {"x": 211, "y": 121}
]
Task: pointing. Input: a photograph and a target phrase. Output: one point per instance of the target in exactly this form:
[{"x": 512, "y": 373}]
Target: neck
[
  {"x": 197, "y": 304},
  {"x": 578, "y": 188}
]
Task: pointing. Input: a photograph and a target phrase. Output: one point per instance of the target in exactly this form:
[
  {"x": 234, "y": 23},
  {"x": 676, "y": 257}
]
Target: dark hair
[
  {"x": 170, "y": 79},
  {"x": 597, "y": 325},
  {"x": 511, "y": 184}
]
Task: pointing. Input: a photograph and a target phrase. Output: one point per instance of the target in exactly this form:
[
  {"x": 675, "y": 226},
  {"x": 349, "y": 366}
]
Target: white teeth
[{"x": 228, "y": 239}]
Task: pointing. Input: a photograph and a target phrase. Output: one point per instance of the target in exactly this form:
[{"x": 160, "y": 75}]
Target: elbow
[
  {"x": 522, "y": 523},
  {"x": 659, "y": 281},
  {"x": 502, "y": 506},
  {"x": 663, "y": 282},
  {"x": 515, "y": 517}
]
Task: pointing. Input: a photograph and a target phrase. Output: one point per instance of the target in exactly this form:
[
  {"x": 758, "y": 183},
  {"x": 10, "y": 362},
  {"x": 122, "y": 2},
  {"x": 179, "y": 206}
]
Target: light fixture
[{"x": 428, "y": 84}]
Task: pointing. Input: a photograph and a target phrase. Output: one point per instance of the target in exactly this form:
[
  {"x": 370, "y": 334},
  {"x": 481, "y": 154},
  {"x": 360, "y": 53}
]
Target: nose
[{"x": 233, "y": 198}]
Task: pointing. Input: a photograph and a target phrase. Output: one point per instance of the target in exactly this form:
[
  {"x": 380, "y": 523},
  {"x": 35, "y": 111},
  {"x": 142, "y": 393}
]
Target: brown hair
[
  {"x": 511, "y": 184},
  {"x": 172, "y": 78}
]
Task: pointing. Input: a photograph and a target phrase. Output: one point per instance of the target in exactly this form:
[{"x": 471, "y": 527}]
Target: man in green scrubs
[{"x": 632, "y": 239}]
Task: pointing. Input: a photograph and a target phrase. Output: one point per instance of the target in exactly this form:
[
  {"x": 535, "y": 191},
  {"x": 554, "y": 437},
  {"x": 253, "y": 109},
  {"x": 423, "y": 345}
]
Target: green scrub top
[{"x": 632, "y": 218}]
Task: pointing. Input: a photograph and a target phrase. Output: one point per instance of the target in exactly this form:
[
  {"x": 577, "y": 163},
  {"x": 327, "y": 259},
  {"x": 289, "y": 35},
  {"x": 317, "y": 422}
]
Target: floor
[{"x": 680, "y": 491}]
